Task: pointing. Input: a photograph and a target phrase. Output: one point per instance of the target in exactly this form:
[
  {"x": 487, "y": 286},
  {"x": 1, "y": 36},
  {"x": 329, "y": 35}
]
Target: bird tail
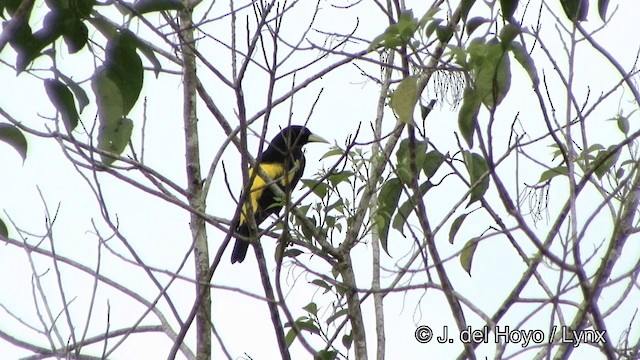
[{"x": 241, "y": 246}]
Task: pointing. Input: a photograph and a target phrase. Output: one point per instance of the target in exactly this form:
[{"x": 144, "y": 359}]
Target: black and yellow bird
[{"x": 284, "y": 162}]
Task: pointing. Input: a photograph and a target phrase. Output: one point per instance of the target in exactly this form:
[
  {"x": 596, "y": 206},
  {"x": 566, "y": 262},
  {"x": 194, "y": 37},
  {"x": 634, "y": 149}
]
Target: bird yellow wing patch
[{"x": 276, "y": 173}]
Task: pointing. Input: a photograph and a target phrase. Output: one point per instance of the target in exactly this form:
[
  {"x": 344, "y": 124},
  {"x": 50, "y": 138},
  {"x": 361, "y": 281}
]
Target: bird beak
[{"x": 316, "y": 138}]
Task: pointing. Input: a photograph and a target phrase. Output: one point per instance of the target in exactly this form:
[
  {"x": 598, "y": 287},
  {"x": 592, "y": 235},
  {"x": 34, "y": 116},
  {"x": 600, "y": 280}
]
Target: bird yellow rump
[{"x": 276, "y": 174}]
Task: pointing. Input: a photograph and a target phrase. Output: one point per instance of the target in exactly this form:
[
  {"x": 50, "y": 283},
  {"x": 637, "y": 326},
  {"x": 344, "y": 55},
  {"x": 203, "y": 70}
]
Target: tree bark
[{"x": 194, "y": 187}]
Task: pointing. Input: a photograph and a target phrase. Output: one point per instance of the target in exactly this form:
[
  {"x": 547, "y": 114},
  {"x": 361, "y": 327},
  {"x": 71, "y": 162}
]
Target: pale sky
[{"x": 159, "y": 232}]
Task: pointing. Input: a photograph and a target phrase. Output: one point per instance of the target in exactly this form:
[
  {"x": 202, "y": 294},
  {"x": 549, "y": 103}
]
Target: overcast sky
[{"x": 160, "y": 232}]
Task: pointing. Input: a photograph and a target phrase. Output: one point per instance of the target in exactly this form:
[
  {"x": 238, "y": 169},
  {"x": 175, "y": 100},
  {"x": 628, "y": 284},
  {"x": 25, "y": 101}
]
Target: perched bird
[{"x": 284, "y": 162}]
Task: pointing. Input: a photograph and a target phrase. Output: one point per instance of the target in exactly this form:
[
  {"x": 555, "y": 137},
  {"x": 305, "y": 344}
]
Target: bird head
[{"x": 294, "y": 137}]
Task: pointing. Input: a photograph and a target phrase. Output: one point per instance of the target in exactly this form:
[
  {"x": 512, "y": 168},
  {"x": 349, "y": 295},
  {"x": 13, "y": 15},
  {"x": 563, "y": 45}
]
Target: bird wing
[{"x": 276, "y": 173}]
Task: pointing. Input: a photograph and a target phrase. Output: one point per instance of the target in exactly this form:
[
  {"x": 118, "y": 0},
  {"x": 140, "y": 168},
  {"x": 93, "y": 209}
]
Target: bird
[{"x": 284, "y": 162}]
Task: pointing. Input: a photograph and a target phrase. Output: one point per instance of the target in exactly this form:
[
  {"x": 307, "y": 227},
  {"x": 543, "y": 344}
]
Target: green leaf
[
  {"x": 407, "y": 25},
  {"x": 336, "y": 315},
  {"x": 595, "y": 147},
  {"x": 347, "y": 340},
  {"x": 428, "y": 16},
  {"x": 111, "y": 32},
  {"x": 602, "y": 9},
  {"x": 330, "y": 221},
  {"x": 465, "y": 7},
  {"x": 576, "y": 10},
  {"x": 148, "y": 52},
  {"x": 403, "y": 156},
  {"x": 145, "y": 6},
  {"x": 556, "y": 154},
  {"x": 607, "y": 159},
  {"x": 3, "y": 229},
  {"x": 114, "y": 137},
  {"x": 459, "y": 54},
  {"x": 337, "y": 178},
  {"x": 398, "y": 34},
  {"x": 14, "y": 137},
  {"x": 405, "y": 98},
  {"x": 387, "y": 204},
  {"x": 326, "y": 355},
  {"x": 408, "y": 206},
  {"x": 473, "y": 23},
  {"x": 306, "y": 231},
  {"x": 432, "y": 27},
  {"x": 335, "y": 271},
  {"x": 548, "y": 174},
  {"x": 466, "y": 256},
  {"x": 432, "y": 161},
  {"x": 115, "y": 129},
  {"x": 456, "y": 226},
  {"x": 319, "y": 188},
  {"x": 507, "y": 34},
  {"x": 105, "y": 27},
  {"x": 628, "y": 163},
  {"x": 444, "y": 33},
  {"x": 62, "y": 98},
  {"x": 338, "y": 205},
  {"x": 78, "y": 92},
  {"x": 476, "y": 50},
  {"x": 623, "y": 123},
  {"x": 522, "y": 56},
  {"x": 468, "y": 115},
  {"x": 308, "y": 325},
  {"x": 477, "y": 167},
  {"x": 124, "y": 68},
  {"x": 492, "y": 72},
  {"x": 108, "y": 96},
  {"x": 26, "y": 45},
  {"x": 311, "y": 308},
  {"x": 426, "y": 109},
  {"x": 336, "y": 151},
  {"x": 380, "y": 40},
  {"x": 290, "y": 337},
  {"x": 508, "y": 8},
  {"x": 82, "y": 8},
  {"x": 403, "y": 214},
  {"x": 323, "y": 284},
  {"x": 75, "y": 35},
  {"x": 10, "y": 5},
  {"x": 52, "y": 27},
  {"x": 292, "y": 253}
]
